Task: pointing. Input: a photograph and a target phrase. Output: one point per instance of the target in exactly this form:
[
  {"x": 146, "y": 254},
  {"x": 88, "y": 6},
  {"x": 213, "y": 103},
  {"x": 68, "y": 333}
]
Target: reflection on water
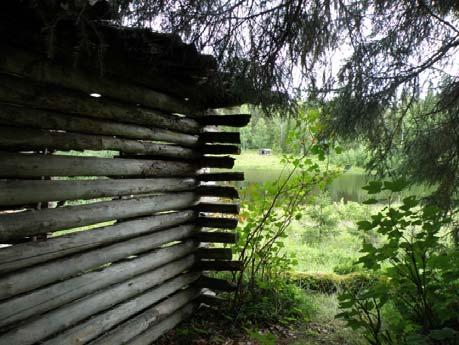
[{"x": 347, "y": 187}]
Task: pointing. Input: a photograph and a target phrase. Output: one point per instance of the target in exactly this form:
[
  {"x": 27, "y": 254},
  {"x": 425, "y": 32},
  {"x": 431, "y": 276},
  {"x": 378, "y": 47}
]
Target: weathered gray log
[
  {"x": 218, "y": 191},
  {"x": 201, "y": 161},
  {"x": 17, "y": 225},
  {"x": 236, "y": 120},
  {"x": 22, "y": 139},
  {"x": 208, "y": 207},
  {"x": 153, "y": 333},
  {"x": 39, "y": 95},
  {"x": 220, "y": 265},
  {"x": 37, "y": 68},
  {"x": 34, "y": 165},
  {"x": 220, "y": 137},
  {"x": 217, "y": 162},
  {"x": 216, "y": 284},
  {"x": 216, "y": 237},
  {"x": 46, "y": 273},
  {"x": 70, "y": 314},
  {"x": 214, "y": 222},
  {"x": 224, "y": 176},
  {"x": 152, "y": 316},
  {"x": 215, "y": 149},
  {"x": 23, "y": 192},
  {"x": 31, "y": 253},
  {"x": 25, "y": 117},
  {"x": 101, "y": 323},
  {"x": 49, "y": 297},
  {"x": 215, "y": 253}
]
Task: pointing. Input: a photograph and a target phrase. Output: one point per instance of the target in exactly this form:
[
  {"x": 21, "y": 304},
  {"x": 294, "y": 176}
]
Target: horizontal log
[
  {"x": 153, "y": 333},
  {"x": 40, "y": 275},
  {"x": 152, "y": 316},
  {"x": 59, "y": 319},
  {"x": 39, "y": 69},
  {"x": 23, "y": 139},
  {"x": 32, "y": 253},
  {"x": 226, "y": 162},
  {"x": 215, "y": 149},
  {"x": 25, "y": 117},
  {"x": 224, "y": 176},
  {"x": 236, "y": 120},
  {"x": 18, "y": 192},
  {"x": 201, "y": 161},
  {"x": 216, "y": 284},
  {"x": 216, "y": 237},
  {"x": 50, "y": 297},
  {"x": 105, "y": 321},
  {"x": 217, "y": 191},
  {"x": 215, "y": 253},
  {"x": 217, "y": 208},
  {"x": 214, "y": 222},
  {"x": 39, "y": 95},
  {"x": 35, "y": 165},
  {"x": 212, "y": 300},
  {"x": 220, "y": 265},
  {"x": 220, "y": 137},
  {"x": 30, "y": 223}
]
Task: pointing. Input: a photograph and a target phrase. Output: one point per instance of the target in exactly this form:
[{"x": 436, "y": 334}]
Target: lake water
[{"x": 347, "y": 187}]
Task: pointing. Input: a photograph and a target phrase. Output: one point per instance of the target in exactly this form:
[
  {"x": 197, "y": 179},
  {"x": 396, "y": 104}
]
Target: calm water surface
[{"x": 347, "y": 187}]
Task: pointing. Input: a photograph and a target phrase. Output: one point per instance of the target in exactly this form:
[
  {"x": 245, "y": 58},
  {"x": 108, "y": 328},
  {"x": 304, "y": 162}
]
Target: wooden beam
[
  {"x": 34, "y": 165},
  {"x": 22, "y": 139},
  {"x": 226, "y": 176},
  {"x": 152, "y": 316},
  {"x": 37, "y": 68},
  {"x": 46, "y": 273},
  {"x": 68, "y": 315},
  {"x": 214, "y": 222},
  {"x": 220, "y": 265},
  {"x": 208, "y": 207},
  {"x": 220, "y": 137},
  {"x": 32, "y": 253},
  {"x": 216, "y": 284},
  {"x": 217, "y": 191},
  {"x": 215, "y": 253},
  {"x": 44, "y": 96},
  {"x": 17, "y": 225},
  {"x": 216, "y": 237},
  {"x": 153, "y": 333},
  {"x": 101, "y": 323},
  {"x": 236, "y": 120},
  {"x": 18, "y": 192},
  {"x": 225, "y": 162},
  {"x": 212, "y": 300},
  {"x": 26, "y": 117},
  {"x": 216, "y": 149}
]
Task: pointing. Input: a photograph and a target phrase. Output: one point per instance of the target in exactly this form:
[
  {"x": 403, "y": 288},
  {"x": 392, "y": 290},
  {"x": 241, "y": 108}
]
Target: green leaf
[
  {"x": 365, "y": 225},
  {"x": 373, "y": 187},
  {"x": 396, "y": 185}
]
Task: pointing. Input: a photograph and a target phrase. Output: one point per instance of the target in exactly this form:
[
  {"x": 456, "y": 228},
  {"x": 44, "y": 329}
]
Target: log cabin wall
[{"x": 105, "y": 203}]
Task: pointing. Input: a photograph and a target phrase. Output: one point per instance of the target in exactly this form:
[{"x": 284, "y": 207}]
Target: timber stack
[{"x": 108, "y": 224}]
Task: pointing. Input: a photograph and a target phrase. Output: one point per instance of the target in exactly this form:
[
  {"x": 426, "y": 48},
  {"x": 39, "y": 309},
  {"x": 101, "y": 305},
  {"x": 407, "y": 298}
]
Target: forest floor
[{"x": 210, "y": 327}]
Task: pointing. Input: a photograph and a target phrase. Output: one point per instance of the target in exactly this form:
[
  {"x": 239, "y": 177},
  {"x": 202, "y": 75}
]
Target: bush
[
  {"x": 417, "y": 299},
  {"x": 329, "y": 282}
]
